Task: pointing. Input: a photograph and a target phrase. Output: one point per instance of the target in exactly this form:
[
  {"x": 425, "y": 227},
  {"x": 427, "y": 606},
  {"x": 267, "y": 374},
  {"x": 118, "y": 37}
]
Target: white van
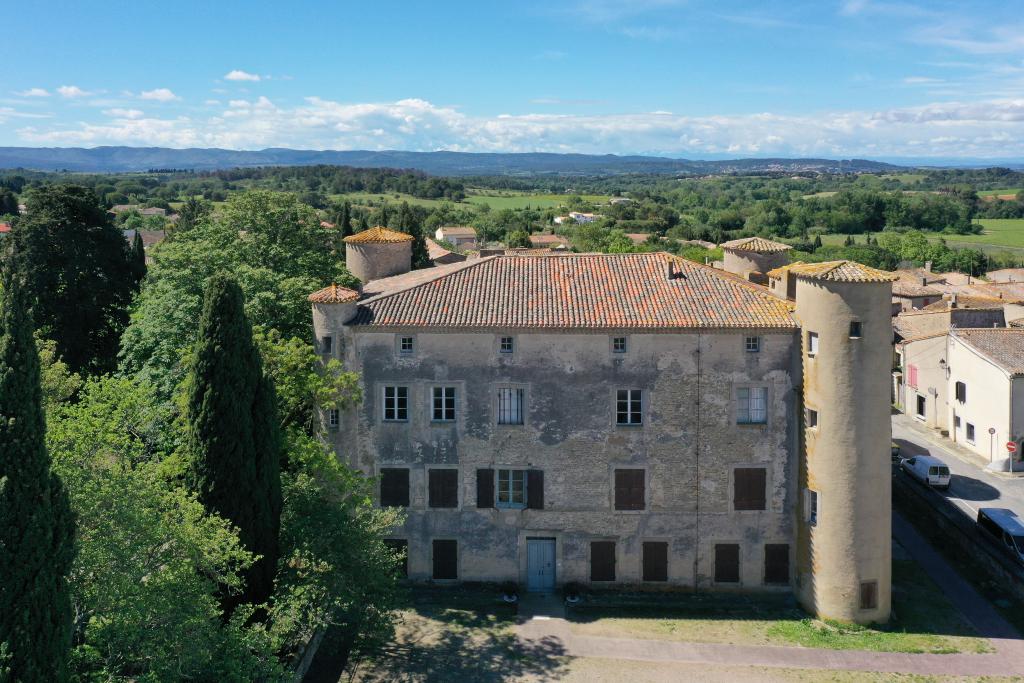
[{"x": 927, "y": 470}]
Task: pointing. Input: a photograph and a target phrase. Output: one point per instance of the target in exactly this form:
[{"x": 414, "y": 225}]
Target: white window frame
[
  {"x": 508, "y": 488},
  {"x": 508, "y": 349},
  {"x": 812, "y": 344},
  {"x": 385, "y": 399},
  {"x": 402, "y": 347},
  {"x": 444, "y": 408},
  {"x": 969, "y": 431},
  {"x": 812, "y": 418},
  {"x": 333, "y": 418},
  {"x": 918, "y": 398},
  {"x": 749, "y": 413},
  {"x": 515, "y": 395},
  {"x": 620, "y": 345},
  {"x": 752, "y": 344},
  {"x": 633, "y": 402},
  {"x": 812, "y": 506}
]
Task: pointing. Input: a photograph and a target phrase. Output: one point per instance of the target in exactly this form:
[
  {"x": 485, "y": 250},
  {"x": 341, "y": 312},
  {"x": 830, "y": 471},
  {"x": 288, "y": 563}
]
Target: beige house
[
  {"x": 459, "y": 236},
  {"x": 626, "y": 420}
]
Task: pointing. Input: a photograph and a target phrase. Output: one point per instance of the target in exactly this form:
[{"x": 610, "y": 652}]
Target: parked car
[
  {"x": 927, "y": 470},
  {"x": 1005, "y": 527}
]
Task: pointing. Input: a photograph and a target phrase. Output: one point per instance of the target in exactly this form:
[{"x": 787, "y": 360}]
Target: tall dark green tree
[
  {"x": 75, "y": 266},
  {"x": 383, "y": 216},
  {"x": 409, "y": 222},
  {"x": 8, "y": 203},
  {"x": 234, "y": 442},
  {"x": 137, "y": 258},
  {"x": 36, "y": 523},
  {"x": 192, "y": 212},
  {"x": 344, "y": 221}
]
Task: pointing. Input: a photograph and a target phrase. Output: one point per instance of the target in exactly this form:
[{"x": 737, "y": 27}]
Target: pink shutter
[{"x": 912, "y": 376}]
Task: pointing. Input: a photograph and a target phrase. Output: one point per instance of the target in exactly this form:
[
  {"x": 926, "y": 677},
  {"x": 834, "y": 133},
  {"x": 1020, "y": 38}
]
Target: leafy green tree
[
  {"x": 234, "y": 438},
  {"x": 37, "y": 527},
  {"x": 192, "y": 213},
  {"x": 8, "y": 203},
  {"x": 518, "y": 239},
  {"x": 817, "y": 241},
  {"x": 76, "y": 269}
]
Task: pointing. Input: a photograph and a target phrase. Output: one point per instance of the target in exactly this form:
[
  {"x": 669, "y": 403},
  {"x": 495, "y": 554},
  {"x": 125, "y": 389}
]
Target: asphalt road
[{"x": 971, "y": 486}]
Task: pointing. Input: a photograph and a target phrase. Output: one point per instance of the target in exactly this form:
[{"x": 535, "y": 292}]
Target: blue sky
[{"x": 687, "y": 78}]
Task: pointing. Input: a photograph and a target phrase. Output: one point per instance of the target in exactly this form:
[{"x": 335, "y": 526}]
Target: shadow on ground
[{"x": 969, "y": 488}]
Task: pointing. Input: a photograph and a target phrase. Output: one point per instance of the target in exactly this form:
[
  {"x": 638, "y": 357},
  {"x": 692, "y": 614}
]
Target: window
[
  {"x": 752, "y": 344},
  {"x": 326, "y": 344},
  {"x": 396, "y": 404},
  {"x": 400, "y": 547},
  {"x": 618, "y": 344},
  {"x": 812, "y": 344},
  {"x": 444, "y": 404},
  {"x": 869, "y": 595},
  {"x": 752, "y": 405},
  {"x": 602, "y": 560},
  {"x": 749, "y": 488},
  {"x": 922, "y": 404},
  {"x": 333, "y": 418},
  {"x": 970, "y": 432},
  {"x": 727, "y": 563},
  {"x": 961, "y": 392},
  {"x": 406, "y": 345},
  {"x": 446, "y": 560},
  {"x": 510, "y": 406},
  {"x": 776, "y": 563},
  {"x": 912, "y": 376},
  {"x": 812, "y": 418},
  {"x": 443, "y": 488},
  {"x": 956, "y": 422},
  {"x": 394, "y": 487},
  {"x": 628, "y": 407},
  {"x": 629, "y": 489},
  {"x": 506, "y": 345},
  {"x": 655, "y": 561},
  {"x": 855, "y": 329},
  {"x": 511, "y": 488},
  {"x": 812, "y": 507}
]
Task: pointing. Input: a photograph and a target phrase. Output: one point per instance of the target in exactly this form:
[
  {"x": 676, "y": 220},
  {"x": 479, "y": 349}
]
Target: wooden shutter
[
  {"x": 400, "y": 545},
  {"x": 655, "y": 561},
  {"x": 535, "y": 489},
  {"x": 727, "y": 563},
  {"x": 602, "y": 560},
  {"x": 749, "y": 488},
  {"x": 629, "y": 489},
  {"x": 912, "y": 376},
  {"x": 443, "y": 488},
  {"x": 485, "y": 488},
  {"x": 869, "y": 595},
  {"x": 394, "y": 487},
  {"x": 446, "y": 559},
  {"x": 776, "y": 563}
]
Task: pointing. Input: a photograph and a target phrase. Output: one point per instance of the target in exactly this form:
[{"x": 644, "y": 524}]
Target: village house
[
  {"x": 459, "y": 236},
  {"x": 622, "y": 420}
]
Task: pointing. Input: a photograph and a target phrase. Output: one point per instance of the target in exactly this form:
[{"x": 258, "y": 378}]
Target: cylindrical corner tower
[
  {"x": 377, "y": 253},
  {"x": 844, "y": 546}
]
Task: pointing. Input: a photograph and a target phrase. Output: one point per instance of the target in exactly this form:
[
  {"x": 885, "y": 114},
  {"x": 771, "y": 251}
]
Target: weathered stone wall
[
  {"x": 376, "y": 260},
  {"x": 689, "y": 444},
  {"x": 742, "y": 262}
]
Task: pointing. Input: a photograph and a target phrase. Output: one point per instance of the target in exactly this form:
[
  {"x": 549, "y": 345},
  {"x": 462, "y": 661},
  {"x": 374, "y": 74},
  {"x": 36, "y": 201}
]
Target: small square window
[
  {"x": 618, "y": 344},
  {"x": 629, "y": 407},
  {"x": 812, "y": 344},
  {"x": 444, "y": 404},
  {"x": 333, "y": 418},
  {"x": 970, "y": 433},
  {"x": 855, "y": 329},
  {"x": 326, "y": 344},
  {"x": 812, "y": 418},
  {"x": 753, "y": 344},
  {"x": 406, "y": 345},
  {"x": 507, "y": 345}
]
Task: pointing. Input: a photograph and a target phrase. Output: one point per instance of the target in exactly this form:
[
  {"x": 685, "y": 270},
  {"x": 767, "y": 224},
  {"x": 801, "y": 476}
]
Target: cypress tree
[
  {"x": 382, "y": 215},
  {"x": 233, "y": 438},
  {"x": 345, "y": 220},
  {"x": 817, "y": 242},
  {"x": 37, "y": 526},
  {"x": 137, "y": 259}
]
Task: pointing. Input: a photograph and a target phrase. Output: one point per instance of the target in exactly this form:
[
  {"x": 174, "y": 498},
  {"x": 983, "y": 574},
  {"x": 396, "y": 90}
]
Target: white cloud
[
  {"x": 33, "y": 92},
  {"x": 71, "y": 91},
  {"x": 239, "y": 75},
  {"x": 991, "y": 128},
  {"x": 211, "y": 103},
  {"x": 119, "y": 113},
  {"x": 158, "y": 95},
  {"x": 922, "y": 80}
]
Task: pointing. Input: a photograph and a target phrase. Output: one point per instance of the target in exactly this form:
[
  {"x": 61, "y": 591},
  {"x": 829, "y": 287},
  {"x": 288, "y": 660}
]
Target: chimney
[
  {"x": 952, "y": 301},
  {"x": 670, "y": 269}
]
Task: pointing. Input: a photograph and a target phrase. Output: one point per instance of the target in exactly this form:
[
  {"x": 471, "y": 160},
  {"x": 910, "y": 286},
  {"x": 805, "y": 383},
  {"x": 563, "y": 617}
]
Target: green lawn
[
  {"x": 520, "y": 200},
  {"x": 995, "y": 193},
  {"x": 923, "y": 620},
  {"x": 366, "y": 198},
  {"x": 998, "y": 234}
]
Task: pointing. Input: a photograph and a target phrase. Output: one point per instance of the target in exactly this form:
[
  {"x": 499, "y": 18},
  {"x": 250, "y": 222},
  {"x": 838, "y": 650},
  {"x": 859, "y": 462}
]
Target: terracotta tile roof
[
  {"x": 1004, "y": 346},
  {"x": 333, "y": 295},
  {"x": 458, "y": 230},
  {"x": 756, "y": 244},
  {"x": 377, "y": 235},
  {"x": 548, "y": 240},
  {"x": 905, "y": 287},
  {"x": 5, "y": 227},
  {"x": 966, "y": 301},
  {"x": 839, "y": 271},
  {"x": 590, "y": 291}
]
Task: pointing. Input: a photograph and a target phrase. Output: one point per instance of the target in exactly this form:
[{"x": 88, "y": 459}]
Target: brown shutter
[
  {"x": 749, "y": 485},
  {"x": 655, "y": 561},
  {"x": 869, "y": 595},
  {"x": 400, "y": 545},
  {"x": 776, "y": 563},
  {"x": 446, "y": 559},
  {"x": 727, "y": 563},
  {"x": 394, "y": 487},
  {"x": 535, "y": 489},
  {"x": 602, "y": 560},
  {"x": 443, "y": 488},
  {"x": 485, "y": 488},
  {"x": 629, "y": 489}
]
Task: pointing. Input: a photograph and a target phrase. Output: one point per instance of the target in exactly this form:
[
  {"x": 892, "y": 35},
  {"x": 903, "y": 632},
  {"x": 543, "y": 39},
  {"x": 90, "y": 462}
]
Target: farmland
[
  {"x": 521, "y": 200},
  {"x": 999, "y": 234}
]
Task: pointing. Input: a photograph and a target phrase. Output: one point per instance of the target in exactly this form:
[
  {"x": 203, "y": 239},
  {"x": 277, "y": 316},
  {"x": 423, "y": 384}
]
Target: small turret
[
  {"x": 752, "y": 257},
  {"x": 378, "y": 252},
  {"x": 844, "y": 540}
]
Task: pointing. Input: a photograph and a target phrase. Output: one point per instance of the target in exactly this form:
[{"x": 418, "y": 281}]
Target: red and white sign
[{"x": 1011, "y": 446}]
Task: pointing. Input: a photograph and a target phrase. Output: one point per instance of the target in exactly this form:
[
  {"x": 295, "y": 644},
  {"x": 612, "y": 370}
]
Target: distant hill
[{"x": 124, "y": 159}]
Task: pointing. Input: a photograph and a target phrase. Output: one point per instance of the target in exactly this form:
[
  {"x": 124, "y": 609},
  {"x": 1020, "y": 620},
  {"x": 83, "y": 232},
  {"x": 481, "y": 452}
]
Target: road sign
[
  {"x": 1011, "y": 446},
  {"x": 991, "y": 430}
]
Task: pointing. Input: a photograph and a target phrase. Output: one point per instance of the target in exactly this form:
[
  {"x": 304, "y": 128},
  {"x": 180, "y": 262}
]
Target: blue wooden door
[{"x": 540, "y": 556}]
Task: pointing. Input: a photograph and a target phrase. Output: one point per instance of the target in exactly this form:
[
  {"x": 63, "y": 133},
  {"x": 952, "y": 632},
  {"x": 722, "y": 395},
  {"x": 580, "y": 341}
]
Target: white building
[{"x": 461, "y": 236}]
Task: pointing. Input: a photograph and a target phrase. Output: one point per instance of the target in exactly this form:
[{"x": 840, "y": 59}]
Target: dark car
[{"x": 1006, "y": 528}]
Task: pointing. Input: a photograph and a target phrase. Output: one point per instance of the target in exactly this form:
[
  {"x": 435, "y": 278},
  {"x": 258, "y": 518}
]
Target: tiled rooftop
[
  {"x": 377, "y": 235},
  {"x": 1004, "y": 346},
  {"x": 756, "y": 244},
  {"x": 333, "y": 295},
  {"x": 837, "y": 271},
  {"x": 589, "y": 291}
]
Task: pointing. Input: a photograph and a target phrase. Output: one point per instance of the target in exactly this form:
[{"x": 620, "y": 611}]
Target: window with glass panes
[
  {"x": 396, "y": 403},
  {"x": 512, "y": 488},
  {"x": 618, "y": 344},
  {"x": 510, "y": 406},
  {"x": 406, "y": 345},
  {"x": 628, "y": 407},
  {"x": 507, "y": 345},
  {"x": 444, "y": 404},
  {"x": 752, "y": 405},
  {"x": 753, "y": 344}
]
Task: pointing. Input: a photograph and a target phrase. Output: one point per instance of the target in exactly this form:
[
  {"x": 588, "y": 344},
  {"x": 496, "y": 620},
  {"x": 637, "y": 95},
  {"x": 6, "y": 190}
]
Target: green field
[
  {"x": 999, "y": 234},
  {"x": 519, "y": 200},
  {"x": 996, "y": 193},
  {"x": 366, "y": 198}
]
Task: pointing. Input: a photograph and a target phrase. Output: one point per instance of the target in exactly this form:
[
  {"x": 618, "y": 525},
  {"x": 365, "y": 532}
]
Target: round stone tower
[
  {"x": 844, "y": 540},
  {"x": 378, "y": 252}
]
